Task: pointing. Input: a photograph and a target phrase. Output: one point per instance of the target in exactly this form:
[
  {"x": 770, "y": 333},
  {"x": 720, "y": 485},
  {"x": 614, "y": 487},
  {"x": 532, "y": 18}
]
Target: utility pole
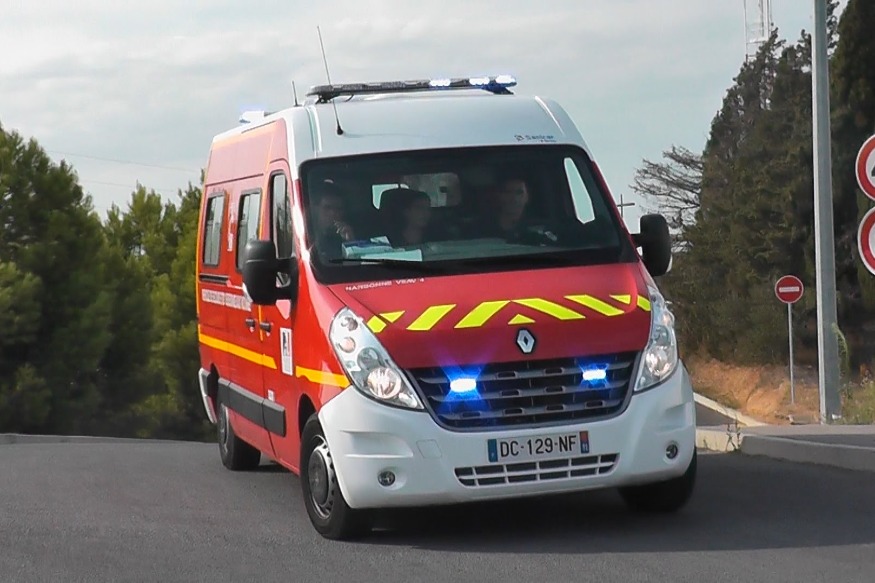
[
  {"x": 623, "y": 205},
  {"x": 827, "y": 325}
]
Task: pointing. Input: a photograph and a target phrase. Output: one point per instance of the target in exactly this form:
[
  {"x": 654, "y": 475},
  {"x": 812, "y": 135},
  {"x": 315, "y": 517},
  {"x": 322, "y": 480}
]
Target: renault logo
[{"x": 525, "y": 341}]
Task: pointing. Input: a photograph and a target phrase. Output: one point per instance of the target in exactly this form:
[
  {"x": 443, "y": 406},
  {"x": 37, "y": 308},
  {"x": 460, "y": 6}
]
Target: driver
[
  {"x": 330, "y": 229},
  {"x": 509, "y": 198}
]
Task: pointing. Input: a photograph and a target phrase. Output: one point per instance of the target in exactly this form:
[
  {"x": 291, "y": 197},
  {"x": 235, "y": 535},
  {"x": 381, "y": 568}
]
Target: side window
[
  {"x": 213, "y": 230},
  {"x": 247, "y": 223},
  {"x": 579, "y": 193},
  {"x": 281, "y": 217}
]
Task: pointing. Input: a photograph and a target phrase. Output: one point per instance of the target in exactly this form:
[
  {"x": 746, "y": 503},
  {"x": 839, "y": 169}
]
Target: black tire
[
  {"x": 329, "y": 513},
  {"x": 236, "y": 454},
  {"x": 662, "y": 497}
]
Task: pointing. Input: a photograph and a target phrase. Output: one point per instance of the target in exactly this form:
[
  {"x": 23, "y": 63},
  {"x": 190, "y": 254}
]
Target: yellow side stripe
[
  {"x": 644, "y": 303},
  {"x": 623, "y": 299},
  {"x": 519, "y": 319},
  {"x": 239, "y": 351},
  {"x": 430, "y": 317},
  {"x": 596, "y": 305},
  {"x": 322, "y": 377},
  {"x": 551, "y": 309},
  {"x": 481, "y": 314}
]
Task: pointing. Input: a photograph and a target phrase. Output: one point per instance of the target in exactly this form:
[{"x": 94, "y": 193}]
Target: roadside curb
[
  {"x": 718, "y": 439},
  {"x": 20, "y": 439},
  {"x": 846, "y": 456},
  {"x": 739, "y": 417}
]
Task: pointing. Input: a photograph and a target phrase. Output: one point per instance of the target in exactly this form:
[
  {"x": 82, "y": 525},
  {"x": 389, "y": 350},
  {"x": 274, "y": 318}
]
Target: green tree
[{"x": 49, "y": 239}]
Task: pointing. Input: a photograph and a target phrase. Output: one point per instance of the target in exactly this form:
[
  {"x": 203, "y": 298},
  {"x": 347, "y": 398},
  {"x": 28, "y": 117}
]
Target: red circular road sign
[
  {"x": 789, "y": 289},
  {"x": 866, "y": 240},
  {"x": 865, "y": 168}
]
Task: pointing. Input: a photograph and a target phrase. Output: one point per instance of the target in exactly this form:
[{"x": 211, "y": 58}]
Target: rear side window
[
  {"x": 247, "y": 224},
  {"x": 213, "y": 230}
]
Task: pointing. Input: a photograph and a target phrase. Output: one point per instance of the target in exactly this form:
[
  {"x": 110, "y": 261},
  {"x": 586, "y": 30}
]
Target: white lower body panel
[{"x": 432, "y": 465}]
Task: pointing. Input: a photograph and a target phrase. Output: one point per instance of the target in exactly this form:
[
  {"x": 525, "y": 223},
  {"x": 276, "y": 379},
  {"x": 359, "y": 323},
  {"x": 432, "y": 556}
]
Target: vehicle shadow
[{"x": 740, "y": 503}]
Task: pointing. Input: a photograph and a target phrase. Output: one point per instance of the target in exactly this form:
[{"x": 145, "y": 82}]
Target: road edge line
[{"x": 845, "y": 456}]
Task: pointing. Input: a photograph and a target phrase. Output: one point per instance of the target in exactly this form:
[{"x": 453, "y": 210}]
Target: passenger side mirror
[
  {"x": 260, "y": 272},
  {"x": 655, "y": 242}
]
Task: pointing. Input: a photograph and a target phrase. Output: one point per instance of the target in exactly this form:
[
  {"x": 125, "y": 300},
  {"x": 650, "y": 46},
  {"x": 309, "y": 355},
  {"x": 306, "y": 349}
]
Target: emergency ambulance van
[{"x": 421, "y": 292}]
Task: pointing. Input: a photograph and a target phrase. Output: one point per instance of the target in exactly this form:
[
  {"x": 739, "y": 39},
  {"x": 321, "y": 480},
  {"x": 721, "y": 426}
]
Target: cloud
[{"x": 152, "y": 82}]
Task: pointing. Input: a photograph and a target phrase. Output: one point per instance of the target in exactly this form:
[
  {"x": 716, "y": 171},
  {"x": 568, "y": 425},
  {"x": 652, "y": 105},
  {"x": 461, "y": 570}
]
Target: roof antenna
[
  {"x": 327, "y": 74},
  {"x": 295, "y": 93}
]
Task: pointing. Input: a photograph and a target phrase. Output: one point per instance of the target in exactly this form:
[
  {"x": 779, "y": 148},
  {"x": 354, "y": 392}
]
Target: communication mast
[{"x": 757, "y": 25}]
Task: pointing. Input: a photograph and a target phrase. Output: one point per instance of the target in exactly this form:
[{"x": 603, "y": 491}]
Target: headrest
[{"x": 396, "y": 200}]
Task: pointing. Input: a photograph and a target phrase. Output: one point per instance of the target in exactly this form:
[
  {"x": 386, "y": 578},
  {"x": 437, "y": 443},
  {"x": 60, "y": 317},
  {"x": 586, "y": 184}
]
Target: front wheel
[
  {"x": 668, "y": 496},
  {"x": 329, "y": 513}
]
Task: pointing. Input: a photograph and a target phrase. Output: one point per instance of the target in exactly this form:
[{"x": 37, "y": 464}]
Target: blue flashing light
[
  {"x": 463, "y": 385},
  {"x": 595, "y": 374}
]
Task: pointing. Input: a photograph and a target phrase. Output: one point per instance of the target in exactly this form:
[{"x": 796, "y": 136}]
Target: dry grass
[
  {"x": 859, "y": 405},
  {"x": 761, "y": 392}
]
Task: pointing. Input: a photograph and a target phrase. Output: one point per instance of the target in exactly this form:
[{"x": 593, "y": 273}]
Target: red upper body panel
[{"x": 475, "y": 319}]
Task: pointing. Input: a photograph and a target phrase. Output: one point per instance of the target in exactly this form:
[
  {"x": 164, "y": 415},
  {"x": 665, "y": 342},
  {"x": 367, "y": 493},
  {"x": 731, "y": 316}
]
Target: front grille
[
  {"x": 560, "y": 469},
  {"x": 528, "y": 393}
]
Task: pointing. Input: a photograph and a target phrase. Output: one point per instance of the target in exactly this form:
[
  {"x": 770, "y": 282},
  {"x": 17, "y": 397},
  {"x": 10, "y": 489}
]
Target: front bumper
[
  {"x": 366, "y": 438},
  {"x": 202, "y": 377}
]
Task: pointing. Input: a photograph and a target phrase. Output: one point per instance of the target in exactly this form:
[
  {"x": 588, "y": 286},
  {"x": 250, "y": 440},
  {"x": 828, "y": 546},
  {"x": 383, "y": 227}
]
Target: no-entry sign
[
  {"x": 865, "y": 168},
  {"x": 789, "y": 289},
  {"x": 866, "y": 241}
]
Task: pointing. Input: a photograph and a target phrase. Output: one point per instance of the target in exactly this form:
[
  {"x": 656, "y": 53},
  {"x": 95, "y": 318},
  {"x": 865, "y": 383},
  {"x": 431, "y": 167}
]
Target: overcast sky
[{"x": 134, "y": 90}]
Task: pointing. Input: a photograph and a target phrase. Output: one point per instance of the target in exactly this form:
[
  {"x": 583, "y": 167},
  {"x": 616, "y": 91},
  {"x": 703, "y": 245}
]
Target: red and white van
[{"x": 421, "y": 292}]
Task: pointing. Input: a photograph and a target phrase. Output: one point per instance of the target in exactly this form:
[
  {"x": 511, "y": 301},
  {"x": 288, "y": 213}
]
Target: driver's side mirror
[
  {"x": 260, "y": 272},
  {"x": 655, "y": 242}
]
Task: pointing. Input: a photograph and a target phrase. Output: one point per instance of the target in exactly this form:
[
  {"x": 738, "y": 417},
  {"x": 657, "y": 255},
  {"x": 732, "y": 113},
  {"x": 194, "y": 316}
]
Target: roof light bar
[{"x": 497, "y": 84}]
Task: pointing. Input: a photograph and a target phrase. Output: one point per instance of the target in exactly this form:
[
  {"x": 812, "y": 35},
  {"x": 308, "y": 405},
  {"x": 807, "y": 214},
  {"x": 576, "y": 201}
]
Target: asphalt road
[{"x": 170, "y": 512}]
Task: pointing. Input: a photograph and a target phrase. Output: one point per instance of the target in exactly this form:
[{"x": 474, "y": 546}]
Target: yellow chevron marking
[
  {"x": 322, "y": 377},
  {"x": 644, "y": 303},
  {"x": 596, "y": 305},
  {"x": 481, "y": 314},
  {"x": 623, "y": 299},
  {"x": 430, "y": 317},
  {"x": 239, "y": 351},
  {"x": 519, "y": 319},
  {"x": 551, "y": 309},
  {"x": 376, "y": 324},
  {"x": 392, "y": 316}
]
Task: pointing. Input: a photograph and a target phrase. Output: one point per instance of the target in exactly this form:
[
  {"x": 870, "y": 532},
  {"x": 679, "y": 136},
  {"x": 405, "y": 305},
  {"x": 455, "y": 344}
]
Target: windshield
[{"x": 458, "y": 211}]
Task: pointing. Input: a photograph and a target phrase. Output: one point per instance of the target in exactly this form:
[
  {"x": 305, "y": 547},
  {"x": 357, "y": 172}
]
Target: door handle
[
  {"x": 250, "y": 322},
  {"x": 265, "y": 326}
]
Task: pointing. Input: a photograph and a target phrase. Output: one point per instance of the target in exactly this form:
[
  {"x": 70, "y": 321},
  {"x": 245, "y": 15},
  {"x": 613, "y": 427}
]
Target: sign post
[{"x": 789, "y": 290}]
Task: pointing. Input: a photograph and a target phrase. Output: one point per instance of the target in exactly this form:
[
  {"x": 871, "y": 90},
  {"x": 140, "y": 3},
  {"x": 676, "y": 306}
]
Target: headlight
[
  {"x": 660, "y": 358},
  {"x": 368, "y": 364}
]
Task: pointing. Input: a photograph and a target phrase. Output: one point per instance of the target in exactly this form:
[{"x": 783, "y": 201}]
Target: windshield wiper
[
  {"x": 525, "y": 258},
  {"x": 415, "y": 265}
]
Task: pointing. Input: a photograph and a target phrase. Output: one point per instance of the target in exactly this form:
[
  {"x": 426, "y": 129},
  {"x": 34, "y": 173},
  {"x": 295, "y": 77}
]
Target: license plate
[{"x": 523, "y": 449}]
